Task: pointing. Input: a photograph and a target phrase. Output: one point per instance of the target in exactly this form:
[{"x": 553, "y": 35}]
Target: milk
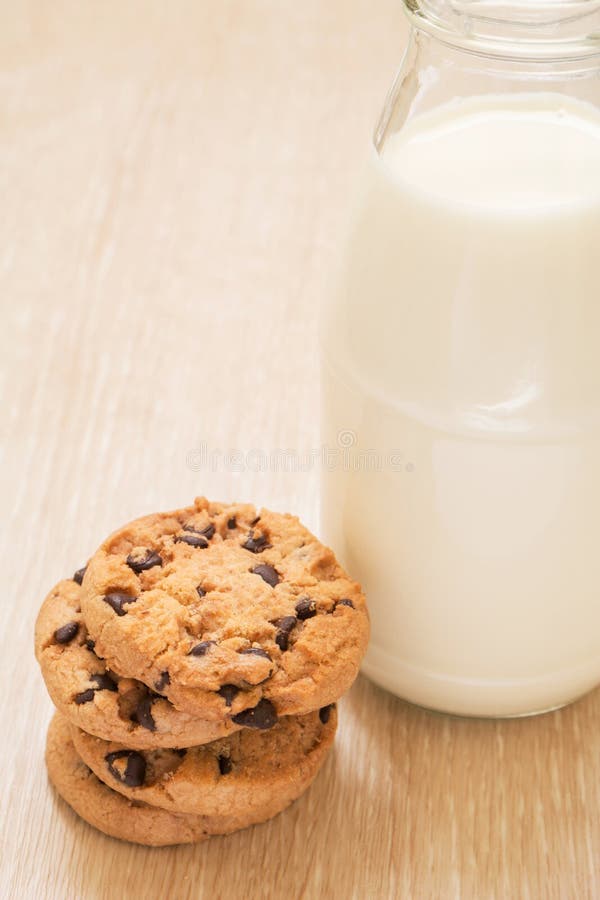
[{"x": 463, "y": 345}]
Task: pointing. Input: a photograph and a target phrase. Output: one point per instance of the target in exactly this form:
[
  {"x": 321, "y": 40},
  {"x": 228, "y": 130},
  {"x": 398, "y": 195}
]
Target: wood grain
[{"x": 174, "y": 180}]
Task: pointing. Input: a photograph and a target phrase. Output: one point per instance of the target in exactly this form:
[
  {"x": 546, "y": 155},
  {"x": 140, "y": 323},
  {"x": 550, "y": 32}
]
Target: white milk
[{"x": 466, "y": 337}]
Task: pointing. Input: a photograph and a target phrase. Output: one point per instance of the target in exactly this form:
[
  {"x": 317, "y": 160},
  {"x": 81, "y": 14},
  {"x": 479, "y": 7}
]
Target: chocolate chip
[
  {"x": 208, "y": 531},
  {"x": 200, "y": 591},
  {"x": 90, "y": 644},
  {"x": 225, "y": 765},
  {"x": 262, "y": 716},
  {"x": 194, "y": 540},
  {"x": 306, "y": 608},
  {"x": 143, "y": 713},
  {"x": 256, "y": 544},
  {"x": 135, "y": 768},
  {"x": 255, "y": 520},
  {"x": 344, "y": 602},
  {"x": 325, "y": 712},
  {"x": 140, "y": 562},
  {"x": 66, "y": 633},
  {"x": 84, "y": 696},
  {"x": 267, "y": 573},
  {"x": 117, "y": 601},
  {"x": 284, "y": 627},
  {"x": 103, "y": 682},
  {"x": 78, "y": 576},
  {"x": 163, "y": 681},
  {"x": 228, "y": 692},
  {"x": 282, "y": 639},
  {"x": 180, "y": 751},
  {"x": 232, "y": 523},
  {"x": 255, "y": 651},
  {"x": 202, "y": 648}
]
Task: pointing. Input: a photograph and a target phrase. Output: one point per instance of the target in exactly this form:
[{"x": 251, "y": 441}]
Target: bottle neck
[
  {"x": 446, "y": 62},
  {"x": 543, "y": 31}
]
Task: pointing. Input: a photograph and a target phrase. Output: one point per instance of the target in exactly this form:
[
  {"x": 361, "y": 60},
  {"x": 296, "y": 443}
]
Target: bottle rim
[{"x": 528, "y": 30}]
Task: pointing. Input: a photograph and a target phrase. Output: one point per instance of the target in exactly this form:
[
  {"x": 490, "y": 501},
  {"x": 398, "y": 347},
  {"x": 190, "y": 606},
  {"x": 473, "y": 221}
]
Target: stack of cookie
[{"x": 195, "y": 664}]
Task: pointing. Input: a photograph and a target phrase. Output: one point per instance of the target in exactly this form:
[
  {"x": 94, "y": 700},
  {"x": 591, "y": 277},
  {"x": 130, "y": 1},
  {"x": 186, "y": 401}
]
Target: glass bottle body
[{"x": 460, "y": 365}]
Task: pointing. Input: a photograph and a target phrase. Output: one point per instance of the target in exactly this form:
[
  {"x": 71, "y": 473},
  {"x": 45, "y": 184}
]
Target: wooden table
[{"x": 174, "y": 181}]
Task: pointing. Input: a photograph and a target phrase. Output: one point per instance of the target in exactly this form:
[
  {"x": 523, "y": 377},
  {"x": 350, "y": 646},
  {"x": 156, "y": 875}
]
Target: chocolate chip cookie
[
  {"x": 112, "y": 813},
  {"x": 234, "y": 615},
  {"x": 96, "y": 699},
  {"x": 250, "y": 772}
]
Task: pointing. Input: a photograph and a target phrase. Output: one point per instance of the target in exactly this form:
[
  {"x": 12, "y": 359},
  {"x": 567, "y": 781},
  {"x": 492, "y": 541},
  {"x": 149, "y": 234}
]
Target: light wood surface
[{"x": 174, "y": 181}]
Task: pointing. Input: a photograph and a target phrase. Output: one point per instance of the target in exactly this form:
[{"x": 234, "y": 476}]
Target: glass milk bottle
[{"x": 461, "y": 363}]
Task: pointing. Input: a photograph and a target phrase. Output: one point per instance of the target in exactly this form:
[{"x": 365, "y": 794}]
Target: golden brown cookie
[
  {"x": 112, "y": 813},
  {"x": 250, "y": 773},
  {"x": 234, "y": 615},
  {"x": 98, "y": 700}
]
